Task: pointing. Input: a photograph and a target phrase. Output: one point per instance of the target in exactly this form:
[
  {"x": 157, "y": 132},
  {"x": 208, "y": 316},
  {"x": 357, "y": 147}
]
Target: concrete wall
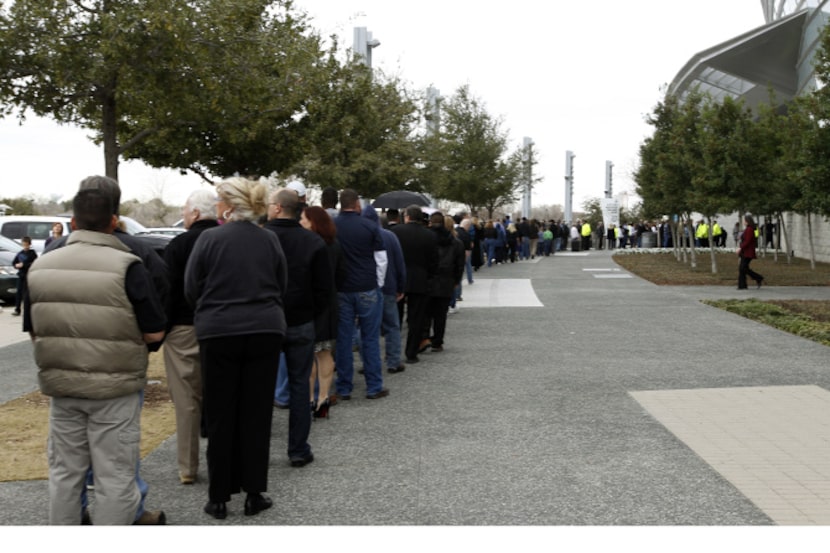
[{"x": 799, "y": 241}]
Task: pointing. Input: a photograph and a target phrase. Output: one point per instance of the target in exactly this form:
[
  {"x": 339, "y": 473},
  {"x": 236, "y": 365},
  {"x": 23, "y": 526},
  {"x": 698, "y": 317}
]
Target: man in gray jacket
[{"x": 94, "y": 371}]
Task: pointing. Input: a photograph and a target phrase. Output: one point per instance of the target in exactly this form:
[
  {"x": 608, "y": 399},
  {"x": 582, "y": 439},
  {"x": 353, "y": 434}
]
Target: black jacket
[
  {"x": 450, "y": 267},
  {"x": 420, "y": 254},
  {"x": 310, "y": 275},
  {"x": 179, "y": 311}
]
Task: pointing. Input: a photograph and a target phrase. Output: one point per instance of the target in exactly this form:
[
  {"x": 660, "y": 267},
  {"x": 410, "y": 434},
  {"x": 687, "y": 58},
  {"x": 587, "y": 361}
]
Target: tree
[
  {"x": 178, "y": 83},
  {"x": 359, "y": 132},
  {"x": 467, "y": 160}
]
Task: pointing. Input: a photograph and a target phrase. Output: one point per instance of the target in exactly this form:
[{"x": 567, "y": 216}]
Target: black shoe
[
  {"x": 302, "y": 461},
  {"x": 279, "y": 405},
  {"x": 437, "y": 348},
  {"x": 217, "y": 510},
  {"x": 399, "y": 369},
  {"x": 255, "y": 503},
  {"x": 760, "y": 281},
  {"x": 412, "y": 359},
  {"x": 361, "y": 371},
  {"x": 383, "y": 393},
  {"x": 85, "y": 519},
  {"x": 15, "y": 313}
]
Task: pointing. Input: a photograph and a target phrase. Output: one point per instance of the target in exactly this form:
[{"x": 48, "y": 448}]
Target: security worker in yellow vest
[
  {"x": 702, "y": 234},
  {"x": 718, "y": 236},
  {"x": 586, "y": 236}
]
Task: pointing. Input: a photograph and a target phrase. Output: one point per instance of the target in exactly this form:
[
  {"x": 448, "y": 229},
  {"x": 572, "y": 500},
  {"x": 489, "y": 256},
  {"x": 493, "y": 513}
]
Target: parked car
[
  {"x": 8, "y": 274},
  {"x": 172, "y": 231},
  {"x": 37, "y": 227},
  {"x": 157, "y": 241}
]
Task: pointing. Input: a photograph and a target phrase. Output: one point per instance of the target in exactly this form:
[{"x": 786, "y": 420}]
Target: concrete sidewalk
[{"x": 600, "y": 400}]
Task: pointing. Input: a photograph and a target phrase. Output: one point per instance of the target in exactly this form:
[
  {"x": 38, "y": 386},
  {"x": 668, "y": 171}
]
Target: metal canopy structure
[{"x": 749, "y": 64}]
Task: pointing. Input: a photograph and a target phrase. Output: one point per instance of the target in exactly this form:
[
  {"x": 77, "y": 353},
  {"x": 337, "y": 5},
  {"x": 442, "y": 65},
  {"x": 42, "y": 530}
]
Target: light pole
[
  {"x": 569, "y": 185},
  {"x": 364, "y": 44}
]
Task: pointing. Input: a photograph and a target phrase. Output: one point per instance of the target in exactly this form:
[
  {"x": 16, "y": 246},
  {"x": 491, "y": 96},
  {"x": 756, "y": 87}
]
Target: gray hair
[
  {"x": 204, "y": 201},
  {"x": 107, "y": 186},
  {"x": 247, "y": 197}
]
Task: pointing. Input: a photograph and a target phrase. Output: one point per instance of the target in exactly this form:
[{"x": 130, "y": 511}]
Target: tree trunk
[
  {"x": 783, "y": 228},
  {"x": 810, "y": 239},
  {"x": 712, "y": 246},
  {"x": 692, "y": 243},
  {"x": 109, "y": 125}
]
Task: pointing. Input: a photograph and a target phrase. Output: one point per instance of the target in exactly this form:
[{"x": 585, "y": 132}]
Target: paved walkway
[{"x": 569, "y": 393}]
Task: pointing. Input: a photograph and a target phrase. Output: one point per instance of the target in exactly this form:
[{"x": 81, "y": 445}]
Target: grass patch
[
  {"x": 665, "y": 269},
  {"x": 808, "y": 319},
  {"x": 24, "y": 427}
]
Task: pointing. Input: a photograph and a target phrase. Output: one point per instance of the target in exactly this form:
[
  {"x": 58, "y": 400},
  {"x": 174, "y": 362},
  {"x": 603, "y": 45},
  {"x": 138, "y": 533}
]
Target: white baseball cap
[{"x": 297, "y": 186}]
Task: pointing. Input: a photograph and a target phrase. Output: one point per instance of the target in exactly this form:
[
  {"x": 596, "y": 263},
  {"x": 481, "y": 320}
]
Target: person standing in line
[
  {"x": 533, "y": 234},
  {"x": 359, "y": 297},
  {"x": 22, "y": 261},
  {"x": 94, "y": 372},
  {"x": 746, "y": 253},
  {"x": 181, "y": 347},
  {"x": 310, "y": 279},
  {"x": 317, "y": 220},
  {"x": 736, "y": 233},
  {"x": 420, "y": 254},
  {"x": 449, "y": 271},
  {"x": 394, "y": 285},
  {"x": 235, "y": 279},
  {"x": 158, "y": 275},
  {"x": 329, "y": 201}
]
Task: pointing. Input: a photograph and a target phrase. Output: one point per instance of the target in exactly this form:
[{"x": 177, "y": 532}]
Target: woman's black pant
[
  {"x": 744, "y": 271},
  {"x": 240, "y": 376}
]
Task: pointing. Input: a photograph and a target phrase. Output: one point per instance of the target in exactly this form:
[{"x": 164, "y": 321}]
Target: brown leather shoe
[
  {"x": 383, "y": 393},
  {"x": 151, "y": 518}
]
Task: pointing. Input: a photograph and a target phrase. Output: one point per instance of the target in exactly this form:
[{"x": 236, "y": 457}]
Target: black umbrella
[{"x": 400, "y": 199}]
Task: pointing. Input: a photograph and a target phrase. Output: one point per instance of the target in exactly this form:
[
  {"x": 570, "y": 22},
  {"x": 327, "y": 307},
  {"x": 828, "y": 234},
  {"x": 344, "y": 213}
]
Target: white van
[{"x": 37, "y": 227}]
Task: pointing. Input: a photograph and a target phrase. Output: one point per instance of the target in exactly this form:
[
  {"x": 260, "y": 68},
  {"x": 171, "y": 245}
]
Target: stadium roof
[{"x": 747, "y": 65}]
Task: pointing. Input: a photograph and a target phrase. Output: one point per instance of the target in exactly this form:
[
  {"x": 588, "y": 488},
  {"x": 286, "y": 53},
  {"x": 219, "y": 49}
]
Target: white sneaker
[{"x": 453, "y": 310}]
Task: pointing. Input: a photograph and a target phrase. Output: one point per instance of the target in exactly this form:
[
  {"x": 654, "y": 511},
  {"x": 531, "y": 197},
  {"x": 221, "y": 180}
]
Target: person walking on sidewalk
[{"x": 747, "y": 253}]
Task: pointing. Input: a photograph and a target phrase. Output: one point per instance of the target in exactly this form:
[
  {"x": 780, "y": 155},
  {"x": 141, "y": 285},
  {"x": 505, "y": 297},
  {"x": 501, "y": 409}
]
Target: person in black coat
[
  {"x": 420, "y": 254},
  {"x": 181, "y": 349},
  {"x": 310, "y": 281},
  {"x": 442, "y": 283}
]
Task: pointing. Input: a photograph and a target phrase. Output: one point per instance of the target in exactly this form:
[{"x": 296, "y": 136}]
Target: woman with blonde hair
[{"x": 235, "y": 278}]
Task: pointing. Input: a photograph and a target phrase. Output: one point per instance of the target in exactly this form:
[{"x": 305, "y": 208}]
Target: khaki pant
[
  {"x": 103, "y": 433},
  {"x": 184, "y": 381}
]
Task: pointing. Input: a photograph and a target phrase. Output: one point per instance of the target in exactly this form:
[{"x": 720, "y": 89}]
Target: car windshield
[{"x": 9, "y": 245}]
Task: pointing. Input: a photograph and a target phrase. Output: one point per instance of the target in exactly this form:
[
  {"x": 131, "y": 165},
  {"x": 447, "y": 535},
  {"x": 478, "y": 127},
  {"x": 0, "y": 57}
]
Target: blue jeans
[
  {"x": 468, "y": 265},
  {"x": 281, "y": 394},
  {"x": 143, "y": 487},
  {"x": 367, "y": 308},
  {"x": 490, "y": 244},
  {"x": 391, "y": 330},
  {"x": 525, "y": 248},
  {"x": 298, "y": 352}
]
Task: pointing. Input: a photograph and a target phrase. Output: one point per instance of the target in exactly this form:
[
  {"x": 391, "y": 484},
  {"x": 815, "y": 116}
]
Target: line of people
[{"x": 259, "y": 280}]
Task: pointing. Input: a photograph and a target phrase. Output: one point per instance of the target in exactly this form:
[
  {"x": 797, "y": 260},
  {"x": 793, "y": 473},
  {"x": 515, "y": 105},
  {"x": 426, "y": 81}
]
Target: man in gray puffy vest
[{"x": 91, "y": 337}]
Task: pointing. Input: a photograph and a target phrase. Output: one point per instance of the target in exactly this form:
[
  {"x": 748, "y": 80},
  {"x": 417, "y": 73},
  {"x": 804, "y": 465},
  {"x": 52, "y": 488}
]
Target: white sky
[{"x": 577, "y": 76}]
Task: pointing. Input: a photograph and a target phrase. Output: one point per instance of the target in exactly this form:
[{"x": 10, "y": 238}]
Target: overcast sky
[{"x": 577, "y": 76}]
